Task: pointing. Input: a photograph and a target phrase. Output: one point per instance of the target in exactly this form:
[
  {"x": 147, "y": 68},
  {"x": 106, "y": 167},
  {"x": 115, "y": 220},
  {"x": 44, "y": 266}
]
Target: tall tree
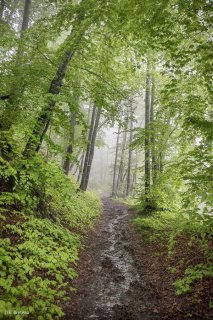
[
  {"x": 92, "y": 147},
  {"x": 147, "y": 131},
  {"x": 152, "y": 129},
  {"x": 128, "y": 181},
  {"x": 2, "y": 5},
  {"x": 69, "y": 151},
  {"x": 80, "y": 26},
  {"x": 115, "y": 163},
  {"x": 96, "y": 113},
  {"x": 26, "y": 16},
  {"x": 86, "y": 157},
  {"x": 121, "y": 164}
]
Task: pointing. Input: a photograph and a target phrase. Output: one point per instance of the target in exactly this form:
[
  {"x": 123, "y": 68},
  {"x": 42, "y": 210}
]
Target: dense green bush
[{"x": 41, "y": 227}]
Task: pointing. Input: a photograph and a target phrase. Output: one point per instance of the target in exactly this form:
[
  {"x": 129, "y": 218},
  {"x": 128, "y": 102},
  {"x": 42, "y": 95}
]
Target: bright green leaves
[
  {"x": 39, "y": 252},
  {"x": 197, "y": 272}
]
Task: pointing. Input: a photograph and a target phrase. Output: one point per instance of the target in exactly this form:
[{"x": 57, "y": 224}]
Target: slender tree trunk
[
  {"x": 92, "y": 147},
  {"x": 115, "y": 164},
  {"x": 121, "y": 165},
  {"x": 2, "y": 5},
  {"x": 161, "y": 162},
  {"x": 81, "y": 167},
  {"x": 153, "y": 147},
  {"x": 69, "y": 151},
  {"x": 128, "y": 187},
  {"x": 26, "y": 16},
  {"x": 90, "y": 112},
  {"x": 147, "y": 135},
  {"x": 86, "y": 158},
  {"x": 134, "y": 179}
]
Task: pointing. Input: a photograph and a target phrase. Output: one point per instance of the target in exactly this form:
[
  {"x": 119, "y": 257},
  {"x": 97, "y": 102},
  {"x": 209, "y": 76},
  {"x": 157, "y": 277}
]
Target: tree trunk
[
  {"x": 115, "y": 164},
  {"x": 161, "y": 162},
  {"x": 134, "y": 180},
  {"x": 121, "y": 165},
  {"x": 147, "y": 134},
  {"x": 153, "y": 147},
  {"x": 26, "y": 16},
  {"x": 34, "y": 143},
  {"x": 81, "y": 167},
  {"x": 90, "y": 110},
  {"x": 2, "y": 5},
  {"x": 69, "y": 151},
  {"x": 92, "y": 147},
  {"x": 128, "y": 187},
  {"x": 86, "y": 158}
]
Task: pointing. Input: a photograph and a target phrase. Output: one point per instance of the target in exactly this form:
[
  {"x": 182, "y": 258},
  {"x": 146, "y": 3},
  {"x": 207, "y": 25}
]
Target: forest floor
[{"x": 121, "y": 277}]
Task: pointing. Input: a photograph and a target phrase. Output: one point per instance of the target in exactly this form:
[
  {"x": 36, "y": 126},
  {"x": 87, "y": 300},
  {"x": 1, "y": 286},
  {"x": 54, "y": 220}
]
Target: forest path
[{"x": 111, "y": 283}]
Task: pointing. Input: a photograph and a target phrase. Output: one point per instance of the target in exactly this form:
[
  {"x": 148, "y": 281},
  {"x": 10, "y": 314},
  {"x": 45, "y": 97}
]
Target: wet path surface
[{"x": 110, "y": 284}]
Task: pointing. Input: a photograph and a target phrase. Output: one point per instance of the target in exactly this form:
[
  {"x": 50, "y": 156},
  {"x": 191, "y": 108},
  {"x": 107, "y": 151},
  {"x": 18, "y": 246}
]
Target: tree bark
[
  {"x": 121, "y": 165},
  {"x": 161, "y": 161},
  {"x": 69, "y": 151},
  {"x": 2, "y": 5},
  {"x": 34, "y": 143},
  {"x": 90, "y": 111},
  {"x": 153, "y": 147},
  {"x": 147, "y": 134},
  {"x": 128, "y": 187},
  {"x": 81, "y": 166},
  {"x": 86, "y": 158},
  {"x": 26, "y": 16},
  {"x": 115, "y": 164},
  {"x": 92, "y": 148}
]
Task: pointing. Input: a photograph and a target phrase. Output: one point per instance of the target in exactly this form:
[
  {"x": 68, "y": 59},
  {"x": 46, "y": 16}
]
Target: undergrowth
[
  {"x": 168, "y": 227},
  {"x": 41, "y": 229}
]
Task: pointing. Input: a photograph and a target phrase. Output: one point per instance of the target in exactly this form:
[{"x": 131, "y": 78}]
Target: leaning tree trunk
[
  {"x": 69, "y": 151},
  {"x": 147, "y": 134},
  {"x": 36, "y": 139},
  {"x": 86, "y": 157},
  {"x": 34, "y": 143},
  {"x": 115, "y": 164}
]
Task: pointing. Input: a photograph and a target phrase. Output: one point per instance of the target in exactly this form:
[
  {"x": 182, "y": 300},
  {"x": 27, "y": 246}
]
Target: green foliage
[
  {"x": 167, "y": 227},
  {"x": 192, "y": 274},
  {"x": 41, "y": 239}
]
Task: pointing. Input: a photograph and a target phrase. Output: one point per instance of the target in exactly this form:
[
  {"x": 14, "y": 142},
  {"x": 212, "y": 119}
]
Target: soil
[{"x": 121, "y": 277}]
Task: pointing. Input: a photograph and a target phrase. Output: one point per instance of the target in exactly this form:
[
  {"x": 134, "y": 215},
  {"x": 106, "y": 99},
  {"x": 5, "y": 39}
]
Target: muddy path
[
  {"x": 121, "y": 277},
  {"x": 111, "y": 283}
]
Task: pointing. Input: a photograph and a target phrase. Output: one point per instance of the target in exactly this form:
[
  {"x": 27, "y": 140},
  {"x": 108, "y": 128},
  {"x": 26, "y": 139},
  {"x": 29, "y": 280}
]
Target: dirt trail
[
  {"x": 123, "y": 278},
  {"x": 111, "y": 284}
]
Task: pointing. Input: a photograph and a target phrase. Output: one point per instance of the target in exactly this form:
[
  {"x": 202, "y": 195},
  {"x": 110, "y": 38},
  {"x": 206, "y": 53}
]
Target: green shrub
[
  {"x": 191, "y": 274},
  {"x": 41, "y": 222}
]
